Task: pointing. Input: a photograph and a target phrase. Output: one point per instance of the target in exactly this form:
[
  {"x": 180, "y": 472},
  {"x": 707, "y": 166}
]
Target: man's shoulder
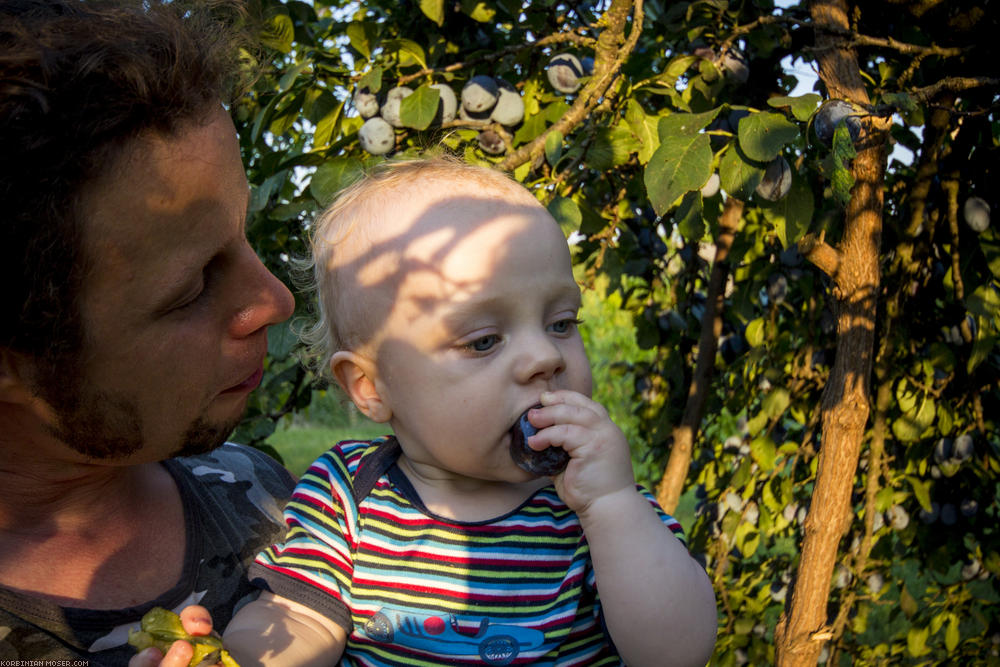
[{"x": 231, "y": 475}]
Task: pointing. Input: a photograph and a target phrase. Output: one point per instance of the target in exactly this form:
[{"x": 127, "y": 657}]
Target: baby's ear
[{"x": 356, "y": 375}]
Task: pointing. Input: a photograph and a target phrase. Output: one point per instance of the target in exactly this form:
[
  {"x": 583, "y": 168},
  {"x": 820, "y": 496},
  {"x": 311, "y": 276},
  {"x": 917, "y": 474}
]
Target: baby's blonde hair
[{"x": 341, "y": 321}]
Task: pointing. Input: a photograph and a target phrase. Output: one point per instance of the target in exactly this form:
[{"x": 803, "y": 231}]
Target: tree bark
[
  {"x": 672, "y": 484},
  {"x": 804, "y": 626}
]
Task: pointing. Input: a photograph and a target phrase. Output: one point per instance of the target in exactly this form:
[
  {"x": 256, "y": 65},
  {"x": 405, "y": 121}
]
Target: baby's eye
[
  {"x": 565, "y": 326},
  {"x": 483, "y": 343}
]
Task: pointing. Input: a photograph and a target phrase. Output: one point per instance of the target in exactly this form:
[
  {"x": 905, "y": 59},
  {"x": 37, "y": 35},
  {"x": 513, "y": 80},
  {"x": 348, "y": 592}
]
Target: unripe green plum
[
  {"x": 376, "y": 136},
  {"x": 777, "y": 180},
  {"x": 390, "y": 110},
  {"x": 480, "y": 94},
  {"x": 977, "y": 214},
  {"x": 447, "y": 105},
  {"x": 564, "y": 72},
  {"x": 509, "y": 109}
]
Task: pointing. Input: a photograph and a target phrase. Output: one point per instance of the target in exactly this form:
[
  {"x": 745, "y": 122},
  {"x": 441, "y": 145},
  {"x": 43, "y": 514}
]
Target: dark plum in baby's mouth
[{"x": 545, "y": 463}]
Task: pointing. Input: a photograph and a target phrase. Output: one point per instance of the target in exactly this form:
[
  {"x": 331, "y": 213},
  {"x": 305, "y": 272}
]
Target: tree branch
[{"x": 612, "y": 49}]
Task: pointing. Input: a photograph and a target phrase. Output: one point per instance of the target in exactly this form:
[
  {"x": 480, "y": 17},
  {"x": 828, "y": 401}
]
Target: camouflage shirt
[{"x": 233, "y": 499}]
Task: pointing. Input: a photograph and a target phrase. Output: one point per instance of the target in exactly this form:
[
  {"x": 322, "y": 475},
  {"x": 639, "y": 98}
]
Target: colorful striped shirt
[{"x": 413, "y": 588}]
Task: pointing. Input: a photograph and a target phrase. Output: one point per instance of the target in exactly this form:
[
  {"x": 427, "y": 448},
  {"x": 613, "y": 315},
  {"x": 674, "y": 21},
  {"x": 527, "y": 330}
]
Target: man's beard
[{"x": 105, "y": 427}]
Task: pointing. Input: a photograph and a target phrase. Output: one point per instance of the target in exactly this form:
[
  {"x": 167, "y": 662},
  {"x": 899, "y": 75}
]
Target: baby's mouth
[{"x": 545, "y": 463}]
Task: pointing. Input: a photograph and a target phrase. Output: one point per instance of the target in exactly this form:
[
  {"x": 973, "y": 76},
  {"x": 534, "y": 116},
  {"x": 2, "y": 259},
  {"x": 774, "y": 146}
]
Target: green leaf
[
  {"x": 951, "y": 634},
  {"x": 418, "y": 110},
  {"x": 775, "y": 402},
  {"x": 763, "y": 135},
  {"x": 802, "y": 106},
  {"x": 738, "y": 177},
  {"x": 434, "y": 10},
  {"x": 611, "y": 148},
  {"x": 644, "y": 130},
  {"x": 372, "y": 79},
  {"x": 681, "y": 163},
  {"x": 792, "y": 214},
  {"x": 922, "y": 491},
  {"x": 566, "y": 212},
  {"x": 278, "y": 33},
  {"x": 755, "y": 332},
  {"x": 480, "y": 11},
  {"x": 684, "y": 123},
  {"x": 333, "y": 176},
  {"x": 553, "y": 147},
  {"x": 407, "y": 51},
  {"x": 361, "y": 34},
  {"x": 764, "y": 452},
  {"x": 689, "y": 220},
  {"x": 916, "y": 641},
  {"x": 841, "y": 179}
]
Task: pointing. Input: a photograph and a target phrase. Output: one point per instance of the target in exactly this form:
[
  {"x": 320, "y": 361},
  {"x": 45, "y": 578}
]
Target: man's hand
[{"x": 196, "y": 621}]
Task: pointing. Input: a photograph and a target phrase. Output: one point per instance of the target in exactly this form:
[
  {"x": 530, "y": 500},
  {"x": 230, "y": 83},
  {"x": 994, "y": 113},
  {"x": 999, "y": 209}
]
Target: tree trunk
[
  {"x": 804, "y": 626},
  {"x": 672, "y": 484}
]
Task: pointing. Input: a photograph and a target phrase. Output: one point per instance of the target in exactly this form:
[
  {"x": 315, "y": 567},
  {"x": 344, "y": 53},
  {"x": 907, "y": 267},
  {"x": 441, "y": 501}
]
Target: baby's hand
[
  {"x": 600, "y": 463},
  {"x": 196, "y": 621}
]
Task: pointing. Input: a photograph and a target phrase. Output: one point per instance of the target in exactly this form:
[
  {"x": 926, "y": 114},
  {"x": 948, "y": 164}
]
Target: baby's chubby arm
[
  {"x": 269, "y": 632},
  {"x": 658, "y": 602}
]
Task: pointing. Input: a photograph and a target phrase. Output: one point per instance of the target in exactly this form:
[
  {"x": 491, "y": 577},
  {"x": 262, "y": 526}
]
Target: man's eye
[{"x": 483, "y": 343}]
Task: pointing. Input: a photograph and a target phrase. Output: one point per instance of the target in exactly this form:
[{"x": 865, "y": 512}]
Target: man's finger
[
  {"x": 196, "y": 620},
  {"x": 149, "y": 657}
]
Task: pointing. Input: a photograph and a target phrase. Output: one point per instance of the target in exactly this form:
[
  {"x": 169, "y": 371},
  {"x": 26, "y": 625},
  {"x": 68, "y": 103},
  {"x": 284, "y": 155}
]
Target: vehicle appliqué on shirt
[{"x": 451, "y": 635}]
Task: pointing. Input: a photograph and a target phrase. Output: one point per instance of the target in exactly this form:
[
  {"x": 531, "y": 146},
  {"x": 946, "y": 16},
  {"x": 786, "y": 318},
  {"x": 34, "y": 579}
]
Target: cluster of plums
[{"x": 484, "y": 98}]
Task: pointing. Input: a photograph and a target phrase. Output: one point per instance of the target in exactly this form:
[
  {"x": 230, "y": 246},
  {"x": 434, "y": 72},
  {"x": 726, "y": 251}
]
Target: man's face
[
  {"x": 175, "y": 304},
  {"x": 483, "y": 321}
]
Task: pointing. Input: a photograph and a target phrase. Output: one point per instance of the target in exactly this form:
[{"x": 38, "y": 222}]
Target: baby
[{"x": 448, "y": 310}]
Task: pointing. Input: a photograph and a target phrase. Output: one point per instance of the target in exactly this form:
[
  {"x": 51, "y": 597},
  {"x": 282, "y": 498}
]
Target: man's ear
[
  {"x": 14, "y": 386},
  {"x": 357, "y": 375}
]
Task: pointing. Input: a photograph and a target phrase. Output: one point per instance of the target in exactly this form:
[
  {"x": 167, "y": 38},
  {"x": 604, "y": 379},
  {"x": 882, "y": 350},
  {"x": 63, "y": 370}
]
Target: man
[{"x": 134, "y": 327}]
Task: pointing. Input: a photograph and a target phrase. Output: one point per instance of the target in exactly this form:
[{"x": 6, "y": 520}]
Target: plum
[
  {"x": 390, "y": 110},
  {"x": 777, "y": 180},
  {"x": 366, "y": 103},
  {"x": 711, "y": 187},
  {"x": 480, "y": 93},
  {"x": 448, "y": 103},
  {"x": 509, "y": 109},
  {"x": 377, "y": 136},
  {"x": 833, "y": 112},
  {"x": 491, "y": 142},
  {"x": 733, "y": 64},
  {"x": 976, "y": 212},
  {"x": 564, "y": 72},
  {"x": 545, "y": 463}
]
